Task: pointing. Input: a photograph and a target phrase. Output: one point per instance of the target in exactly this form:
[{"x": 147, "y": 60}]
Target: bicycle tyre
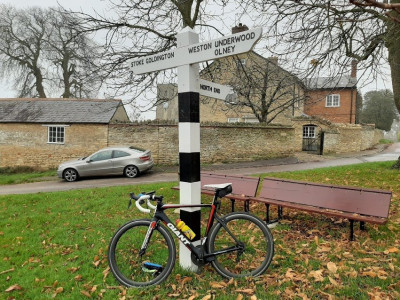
[
  {"x": 123, "y": 254},
  {"x": 257, "y": 240}
]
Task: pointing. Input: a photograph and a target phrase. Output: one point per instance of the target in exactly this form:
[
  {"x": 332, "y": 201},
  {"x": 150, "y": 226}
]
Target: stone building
[
  {"x": 44, "y": 132},
  {"x": 264, "y": 91}
]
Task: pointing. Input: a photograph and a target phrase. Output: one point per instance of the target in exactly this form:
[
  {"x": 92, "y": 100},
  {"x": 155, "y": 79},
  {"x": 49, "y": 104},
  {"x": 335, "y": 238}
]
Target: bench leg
[
  {"x": 247, "y": 206},
  {"x": 233, "y": 204},
  {"x": 267, "y": 213},
  {"x": 351, "y": 230},
  {"x": 280, "y": 212},
  {"x": 362, "y": 225}
]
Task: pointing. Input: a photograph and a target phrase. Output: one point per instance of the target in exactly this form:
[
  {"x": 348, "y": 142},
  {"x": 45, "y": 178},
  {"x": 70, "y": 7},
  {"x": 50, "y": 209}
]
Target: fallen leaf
[
  {"x": 186, "y": 280},
  {"x": 85, "y": 293},
  {"x": 208, "y": 297},
  {"x": 317, "y": 275},
  {"x": 218, "y": 285},
  {"x": 393, "y": 250},
  {"x": 58, "y": 291},
  {"x": 239, "y": 297},
  {"x": 333, "y": 281},
  {"x": 246, "y": 291},
  {"x": 78, "y": 277},
  {"x": 331, "y": 267},
  {"x": 15, "y": 287},
  {"x": 369, "y": 273}
]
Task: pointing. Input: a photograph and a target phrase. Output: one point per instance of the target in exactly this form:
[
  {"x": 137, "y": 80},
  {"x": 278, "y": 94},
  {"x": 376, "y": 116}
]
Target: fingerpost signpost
[{"x": 186, "y": 57}]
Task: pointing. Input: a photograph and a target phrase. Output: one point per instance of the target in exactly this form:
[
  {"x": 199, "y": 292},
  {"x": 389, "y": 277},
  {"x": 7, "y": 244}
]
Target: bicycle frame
[{"x": 160, "y": 215}]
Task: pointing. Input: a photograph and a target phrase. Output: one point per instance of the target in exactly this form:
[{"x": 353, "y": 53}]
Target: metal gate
[{"x": 313, "y": 143}]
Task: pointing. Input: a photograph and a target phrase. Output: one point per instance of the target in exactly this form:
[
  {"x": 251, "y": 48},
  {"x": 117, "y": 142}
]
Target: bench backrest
[
  {"x": 348, "y": 199},
  {"x": 241, "y": 185}
]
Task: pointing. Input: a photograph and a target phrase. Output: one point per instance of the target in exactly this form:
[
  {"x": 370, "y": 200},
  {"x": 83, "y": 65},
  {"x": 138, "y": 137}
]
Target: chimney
[
  {"x": 273, "y": 59},
  {"x": 354, "y": 63},
  {"x": 239, "y": 28}
]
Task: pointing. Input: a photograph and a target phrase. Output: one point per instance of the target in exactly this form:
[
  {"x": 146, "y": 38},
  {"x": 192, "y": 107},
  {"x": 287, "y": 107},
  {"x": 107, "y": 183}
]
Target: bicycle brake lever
[{"x": 130, "y": 203}]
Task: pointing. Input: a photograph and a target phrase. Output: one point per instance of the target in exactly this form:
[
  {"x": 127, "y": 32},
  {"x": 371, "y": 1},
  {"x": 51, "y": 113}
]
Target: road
[{"x": 390, "y": 154}]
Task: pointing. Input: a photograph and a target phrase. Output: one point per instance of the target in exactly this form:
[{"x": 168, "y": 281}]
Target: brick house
[
  {"x": 333, "y": 98},
  {"x": 43, "y": 132}
]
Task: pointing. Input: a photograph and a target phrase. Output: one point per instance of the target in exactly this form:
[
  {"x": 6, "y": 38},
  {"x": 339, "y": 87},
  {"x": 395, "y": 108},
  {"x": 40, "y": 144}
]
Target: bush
[{"x": 385, "y": 141}]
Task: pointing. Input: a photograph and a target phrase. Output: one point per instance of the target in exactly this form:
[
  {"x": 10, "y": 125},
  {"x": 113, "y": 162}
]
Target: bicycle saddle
[{"x": 221, "y": 190}]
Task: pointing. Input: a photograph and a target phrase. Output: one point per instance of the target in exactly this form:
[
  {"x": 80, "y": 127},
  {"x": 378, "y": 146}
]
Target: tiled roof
[
  {"x": 57, "y": 110},
  {"x": 344, "y": 81}
]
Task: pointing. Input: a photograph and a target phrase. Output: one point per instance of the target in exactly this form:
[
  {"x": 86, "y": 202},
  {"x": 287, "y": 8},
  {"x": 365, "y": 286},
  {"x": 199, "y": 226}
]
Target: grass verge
[
  {"x": 24, "y": 175},
  {"x": 54, "y": 245}
]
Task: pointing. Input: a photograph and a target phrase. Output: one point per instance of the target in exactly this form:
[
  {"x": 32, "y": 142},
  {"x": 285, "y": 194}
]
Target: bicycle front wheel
[
  {"x": 134, "y": 269},
  {"x": 252, "y": 241}
]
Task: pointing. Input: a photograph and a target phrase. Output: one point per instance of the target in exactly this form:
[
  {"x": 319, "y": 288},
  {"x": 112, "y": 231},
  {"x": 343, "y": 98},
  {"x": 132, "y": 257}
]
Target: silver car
[{"x": 128, "y": 161}]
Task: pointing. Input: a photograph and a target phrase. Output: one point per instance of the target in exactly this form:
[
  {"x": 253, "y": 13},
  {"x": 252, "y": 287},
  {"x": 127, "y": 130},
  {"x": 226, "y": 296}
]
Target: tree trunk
[
  {"x": 39, "y": 83},
  {"x": 393, "y": 46},
  {"x": 66, "y": 77}
]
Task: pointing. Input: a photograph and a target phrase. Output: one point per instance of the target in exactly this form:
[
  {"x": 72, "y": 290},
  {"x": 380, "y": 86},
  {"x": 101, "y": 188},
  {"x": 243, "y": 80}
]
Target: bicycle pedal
[{"x": 151, "y": 268}]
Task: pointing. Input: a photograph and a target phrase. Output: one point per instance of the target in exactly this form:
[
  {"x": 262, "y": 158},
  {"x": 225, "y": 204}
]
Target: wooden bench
[
  {"x": 354, "y": 204},
  {"x": 243, "y": 187}
]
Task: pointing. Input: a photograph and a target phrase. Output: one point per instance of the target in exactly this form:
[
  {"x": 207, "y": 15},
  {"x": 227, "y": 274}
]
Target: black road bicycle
[{"x": 143, "y": 252}]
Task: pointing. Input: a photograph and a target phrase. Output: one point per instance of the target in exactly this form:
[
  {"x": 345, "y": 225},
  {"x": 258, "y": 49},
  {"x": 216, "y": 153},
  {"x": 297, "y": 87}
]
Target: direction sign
[
  {"x": 226, "y": 46},
  {"x": 215, "y": 90}
]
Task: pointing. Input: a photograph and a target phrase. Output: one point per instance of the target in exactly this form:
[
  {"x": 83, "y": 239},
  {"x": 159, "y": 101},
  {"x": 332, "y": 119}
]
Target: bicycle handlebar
[{"x": 142, "y": 198}]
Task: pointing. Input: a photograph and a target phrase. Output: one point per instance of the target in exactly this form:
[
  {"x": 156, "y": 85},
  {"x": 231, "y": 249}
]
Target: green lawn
[{"x": 54, "y": 245}]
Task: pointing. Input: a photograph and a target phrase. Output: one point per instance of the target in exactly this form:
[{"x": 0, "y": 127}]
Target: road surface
[{"x": 391, "y": 153}]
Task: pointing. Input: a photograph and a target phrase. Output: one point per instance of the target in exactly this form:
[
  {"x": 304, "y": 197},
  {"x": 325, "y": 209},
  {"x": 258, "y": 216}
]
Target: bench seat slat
[
  {"x": 328, "y": 212},
  {"x": 374, "y": 203}
]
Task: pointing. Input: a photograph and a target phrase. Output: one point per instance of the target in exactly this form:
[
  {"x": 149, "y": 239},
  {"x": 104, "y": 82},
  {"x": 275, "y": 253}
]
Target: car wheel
[
  {"x": 70, "y": 175},
  {"x": 131, "y": 171}
]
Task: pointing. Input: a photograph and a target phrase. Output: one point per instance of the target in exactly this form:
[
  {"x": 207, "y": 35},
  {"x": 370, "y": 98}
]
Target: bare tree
[
  {"x": 136, "y": 28},
  {"x": 327, "y": 35},
  {"x": 75, "y": 56},
  {"x": 262, "y": 87},
  {"x": 42, "y": 52},
  {"x": 21, "y": 49}
]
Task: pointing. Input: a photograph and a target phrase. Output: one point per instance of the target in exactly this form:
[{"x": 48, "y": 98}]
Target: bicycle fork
[
  {"x": 146, "y": 241},
  {"x": 149, "y": 267}
]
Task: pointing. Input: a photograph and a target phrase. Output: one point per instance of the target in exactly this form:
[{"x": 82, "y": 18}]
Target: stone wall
[
  {"x": 351, "y": 138},
  {"x": 26, "y": 144},
  {"x": 218, "y": 143}
]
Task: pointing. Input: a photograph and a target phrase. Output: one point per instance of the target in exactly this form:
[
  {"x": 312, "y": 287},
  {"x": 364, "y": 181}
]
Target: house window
[
  {"x": 308, "y": 131},
  {"x": 233, "y": 120},
  {"x": 333, "y": 100},
  {"x": 251, "y": 120},
  {"x": 56, "y": 134}
]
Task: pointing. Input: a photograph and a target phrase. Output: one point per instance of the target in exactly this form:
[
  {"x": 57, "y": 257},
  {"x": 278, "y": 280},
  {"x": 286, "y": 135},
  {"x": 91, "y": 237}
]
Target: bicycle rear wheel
[
  {"x": 152, "y": 267},
  {"x": 252, "y": 236}
]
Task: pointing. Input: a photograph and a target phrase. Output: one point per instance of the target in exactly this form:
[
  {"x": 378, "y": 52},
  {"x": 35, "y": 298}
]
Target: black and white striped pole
[
  {"x": 186, "y": 57},
  {"x": 189, "y": 144}
]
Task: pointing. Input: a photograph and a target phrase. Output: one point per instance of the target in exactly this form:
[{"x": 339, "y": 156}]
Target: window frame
[
  {"x": 307, "y": 132},
  {"x": 233, "y": 120},
  {"x": 58, "y": 129},
  {"x": 331, "y": 98}
]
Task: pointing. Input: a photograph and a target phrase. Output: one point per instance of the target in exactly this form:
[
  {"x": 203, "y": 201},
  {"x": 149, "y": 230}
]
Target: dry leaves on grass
[{"x": 15, "y": 287}]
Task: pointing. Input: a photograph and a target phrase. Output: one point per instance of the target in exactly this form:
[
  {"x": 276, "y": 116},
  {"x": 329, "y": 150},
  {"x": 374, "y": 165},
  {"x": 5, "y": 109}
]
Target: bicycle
[{"x": 143, "y": 252}]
